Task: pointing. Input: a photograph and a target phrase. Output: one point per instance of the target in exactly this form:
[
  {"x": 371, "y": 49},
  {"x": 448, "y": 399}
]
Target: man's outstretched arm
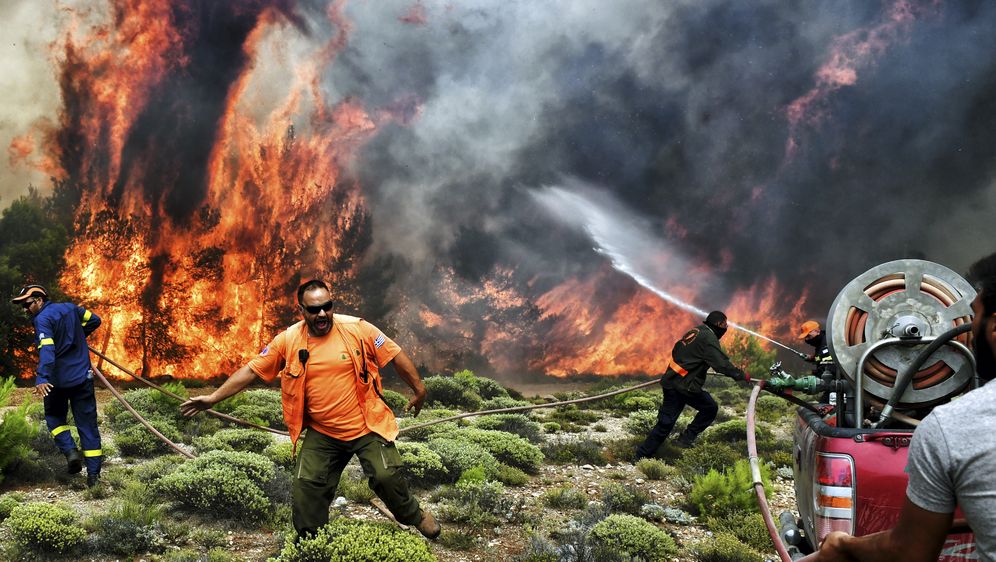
[
  {"x": 917, "y": 537},
  {"x": 235, "y": 384},
  {"x": 408, "y": 373}
]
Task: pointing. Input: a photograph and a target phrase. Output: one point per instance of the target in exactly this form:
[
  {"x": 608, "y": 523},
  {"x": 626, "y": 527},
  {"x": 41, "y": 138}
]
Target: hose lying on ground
[
  {"x": 182, "y": 399},
  {"x": 133, "y": 412},
  {"x": 531, "y": 407},
  {"x": 755, "y": 472}
]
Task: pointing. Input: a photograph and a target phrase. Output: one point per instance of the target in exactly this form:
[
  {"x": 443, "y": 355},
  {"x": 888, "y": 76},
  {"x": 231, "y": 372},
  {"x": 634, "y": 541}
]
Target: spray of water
[{"x": 623, "y": 239}]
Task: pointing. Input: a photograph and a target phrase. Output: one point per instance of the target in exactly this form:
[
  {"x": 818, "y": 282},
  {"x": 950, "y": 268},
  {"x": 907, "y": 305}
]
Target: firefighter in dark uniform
[
  {"x": 695, "y": 353},
  {"x": 813, "y": 334},
  {"x": 65, "y": 376}
]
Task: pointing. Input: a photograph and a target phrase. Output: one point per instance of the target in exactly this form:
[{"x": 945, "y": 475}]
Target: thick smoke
[
  {"x": 803, "y": 142},
  {"x": 678, "y": 111}
]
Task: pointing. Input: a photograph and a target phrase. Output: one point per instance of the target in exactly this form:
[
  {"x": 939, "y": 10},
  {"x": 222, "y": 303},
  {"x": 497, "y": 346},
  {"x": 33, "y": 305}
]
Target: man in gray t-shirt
[{"x": 952, "y": 461}]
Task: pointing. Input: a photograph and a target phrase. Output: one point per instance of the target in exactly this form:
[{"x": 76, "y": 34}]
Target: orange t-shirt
[{"x": 331, "y": 405}]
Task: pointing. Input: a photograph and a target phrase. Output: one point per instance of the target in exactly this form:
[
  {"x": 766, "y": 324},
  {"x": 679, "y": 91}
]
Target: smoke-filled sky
[{"x": 804, "y": 141}]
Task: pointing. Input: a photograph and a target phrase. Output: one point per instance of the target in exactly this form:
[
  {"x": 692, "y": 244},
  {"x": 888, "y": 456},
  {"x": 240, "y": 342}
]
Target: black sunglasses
[
  {"x": 318, "y": 308},
  {"x": 27, "y": 304}
]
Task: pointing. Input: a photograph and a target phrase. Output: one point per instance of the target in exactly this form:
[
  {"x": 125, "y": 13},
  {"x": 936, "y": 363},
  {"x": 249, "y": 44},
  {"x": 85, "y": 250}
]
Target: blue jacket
[{"x": 61, "y": 329}]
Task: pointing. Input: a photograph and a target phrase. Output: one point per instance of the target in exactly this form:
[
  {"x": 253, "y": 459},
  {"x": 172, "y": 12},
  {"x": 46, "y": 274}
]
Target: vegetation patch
[
  {"x": 347, "y": 540},
  {"x": 621, "y": 533},
  {"x": 45, "y": 528},
  {"x": 225, "y": 484},
  {"x": 722, "y": 494},
  {"x": 725, "y": 547}
]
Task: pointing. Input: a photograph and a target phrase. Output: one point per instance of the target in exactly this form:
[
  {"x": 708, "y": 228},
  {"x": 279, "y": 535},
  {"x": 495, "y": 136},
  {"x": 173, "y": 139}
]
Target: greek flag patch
[
  {"x": 265, "y": 350},
  {"x": 379, "y": 341}
]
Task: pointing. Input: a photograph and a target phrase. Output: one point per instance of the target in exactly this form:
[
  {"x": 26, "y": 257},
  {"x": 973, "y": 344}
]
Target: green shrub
[
  {"x": 633, "y": 536},
  {"x": 281, "y": 453},
  {"x": 457, "y": 540},
  {"x": 725, "y": 547},
  {"x": 46, "y": 528},
  {"x": 130, "y": 526},
  {"x": 355, "y": 490},
  {"x": 574, "y": 415},
  {"x": 564, "y": 497},
  {"x": 477, "y": 503},
  {"x": 734, "y": 432},
  {"x": 518, "y": 424},
  {"x": 208, "y": 538},
  {"x": 8, "y": 502},
  {"x": 395, "y": 401},
  {"x": 720, "y": 494},
  {"x": 261, "y": 406},
  {"x": 420, "y": 465},
  {"x": 150, "y": 403},
  {"x": 622, "y": 450},
  {"x": 749, "y": 528},
  {"x": 137, "y": 441},
  {"x": 654, "y": 469},
  {"x": 502, "y": 402},
  {"x": 223, "y": 483},
  {"x": 424, "y": 433},
  {"x": 347, "y": 540},
  {"x": 158, "y": 467},
  {"x": 486, "y": 388},
  {"x": 551, "y": 427},
  {"x": 458, "y": 456},
  {"x": 16, "y": 430},
  {"x": 707, "y": 456},
  {"x": 505, "y": 447},
  {"x": 452, "y": 393},
  {"x": 772, "y": 408},
  {"x": 511, "y": 476},
  {"x": 582, "y": 451},
  {"x": 619, "y": 497},
  {"x": 640, "y": 422},
  {"x": 235, "y": 439}
]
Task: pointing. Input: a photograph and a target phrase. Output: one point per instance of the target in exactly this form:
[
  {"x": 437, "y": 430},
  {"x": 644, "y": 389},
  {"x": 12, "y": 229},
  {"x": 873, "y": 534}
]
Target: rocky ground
[{"x": 492, "y": 543}]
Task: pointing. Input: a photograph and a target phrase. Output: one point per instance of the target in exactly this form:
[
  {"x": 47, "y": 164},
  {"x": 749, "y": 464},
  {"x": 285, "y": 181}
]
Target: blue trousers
[
  {"x": 674, "y": 402},
  {"x": 84, "y": 404}
]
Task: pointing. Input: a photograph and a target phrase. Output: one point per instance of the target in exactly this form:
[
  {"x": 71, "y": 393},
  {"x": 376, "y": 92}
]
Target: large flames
[{"x": 211, "y": 182}]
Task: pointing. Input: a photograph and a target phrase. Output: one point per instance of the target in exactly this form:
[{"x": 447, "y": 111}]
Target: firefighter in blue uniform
[
  {"x": 65, "y": 376},
  {"x": 692, "y": 356}
]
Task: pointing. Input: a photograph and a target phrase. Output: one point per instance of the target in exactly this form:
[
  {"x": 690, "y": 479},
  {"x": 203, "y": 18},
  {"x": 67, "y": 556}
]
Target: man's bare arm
[
  {"x": 917, "y": 537},
  {"x": 408, "y": 373},
  {"x": 235, "y": 384}
]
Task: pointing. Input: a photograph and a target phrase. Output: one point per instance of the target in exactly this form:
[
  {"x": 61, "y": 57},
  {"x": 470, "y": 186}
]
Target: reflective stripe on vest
[
  {"x": 677, "y": 368},
  {"x": 86, "y": 317},
  {"x": 60, "y": 429},
  {"x": 46, "y": 341}
]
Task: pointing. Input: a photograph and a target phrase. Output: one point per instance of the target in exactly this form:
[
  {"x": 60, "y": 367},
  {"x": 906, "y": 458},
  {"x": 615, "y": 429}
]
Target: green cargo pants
[{"x": 320, "y": 462}]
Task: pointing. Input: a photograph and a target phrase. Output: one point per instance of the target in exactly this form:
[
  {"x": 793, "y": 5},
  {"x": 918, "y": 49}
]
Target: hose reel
[{"x": 893, "y": 310}]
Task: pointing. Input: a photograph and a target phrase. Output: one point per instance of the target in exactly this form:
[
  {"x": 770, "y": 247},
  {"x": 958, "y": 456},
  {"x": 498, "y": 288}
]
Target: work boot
[
  {"x": 75, "y": 460},
  {"x": 428, "y": 526},
  {"x": 685, "y": 441},
  {"x": 92, "y": 479}
]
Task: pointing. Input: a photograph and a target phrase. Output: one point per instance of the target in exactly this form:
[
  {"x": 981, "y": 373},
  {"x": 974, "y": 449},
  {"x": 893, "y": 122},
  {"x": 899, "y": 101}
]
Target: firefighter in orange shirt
[{"x": 329, "y": 368}]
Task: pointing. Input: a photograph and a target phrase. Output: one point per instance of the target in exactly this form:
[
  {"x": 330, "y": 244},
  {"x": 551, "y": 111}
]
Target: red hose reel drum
[{"x": 908, "y": 299}]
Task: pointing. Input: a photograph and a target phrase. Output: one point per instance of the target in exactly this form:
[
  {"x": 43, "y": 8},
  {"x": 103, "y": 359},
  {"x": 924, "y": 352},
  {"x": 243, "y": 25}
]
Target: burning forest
[{"x": 216, "y": 155}]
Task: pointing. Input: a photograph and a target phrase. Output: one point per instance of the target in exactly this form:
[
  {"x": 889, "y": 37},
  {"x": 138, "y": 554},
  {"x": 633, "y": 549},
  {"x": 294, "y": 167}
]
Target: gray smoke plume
[{"x": 679, "y": 110}]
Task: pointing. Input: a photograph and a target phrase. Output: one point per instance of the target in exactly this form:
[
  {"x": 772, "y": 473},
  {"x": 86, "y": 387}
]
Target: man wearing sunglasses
[
  {"x": 329, "y": 369},
  {"x": 65, "y": 377}
]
